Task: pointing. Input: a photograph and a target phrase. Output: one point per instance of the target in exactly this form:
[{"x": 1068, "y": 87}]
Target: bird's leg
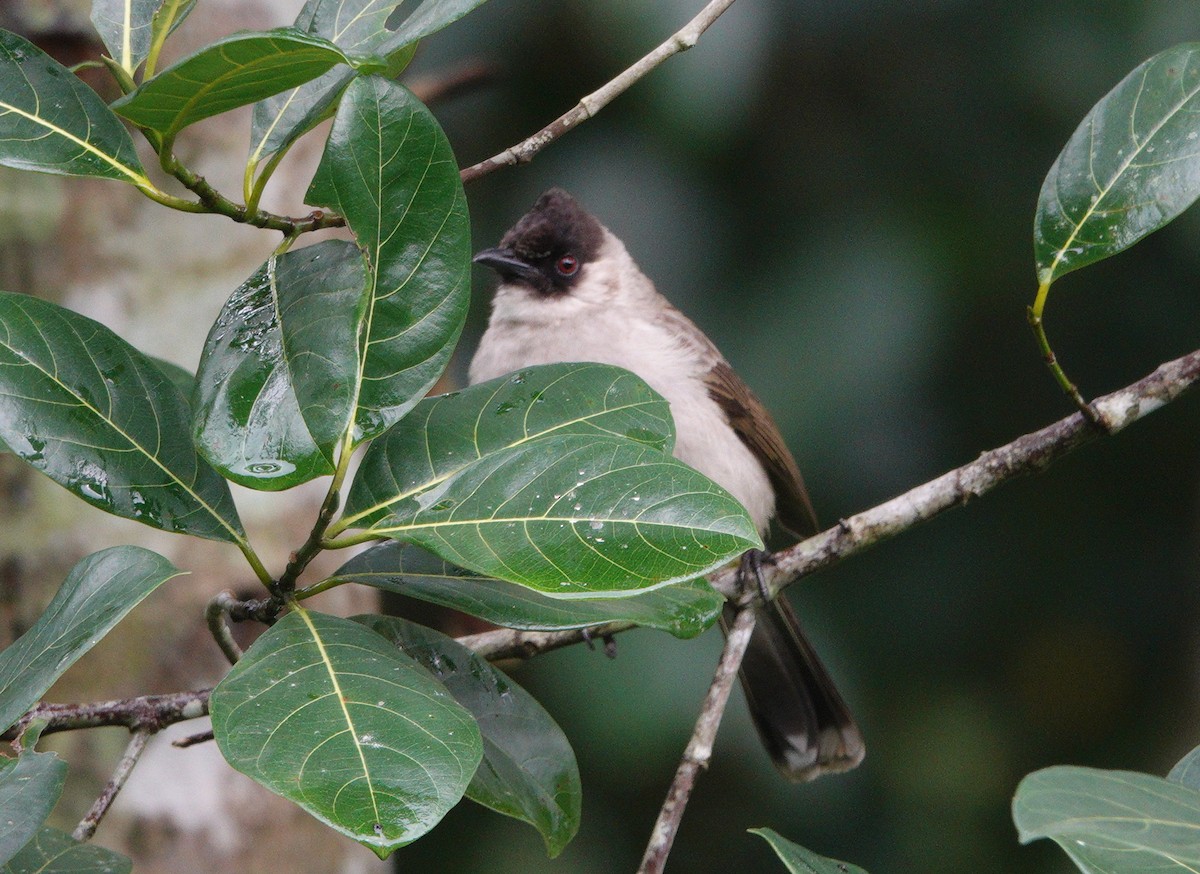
[{"x": 750, "y": 570}]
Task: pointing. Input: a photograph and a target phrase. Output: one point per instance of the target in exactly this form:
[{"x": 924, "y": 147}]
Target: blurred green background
[{"x": 841, "y": 194}]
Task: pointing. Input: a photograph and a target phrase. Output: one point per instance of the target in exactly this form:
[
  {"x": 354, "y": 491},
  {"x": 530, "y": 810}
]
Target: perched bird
[{"x": 569, "y": 291}]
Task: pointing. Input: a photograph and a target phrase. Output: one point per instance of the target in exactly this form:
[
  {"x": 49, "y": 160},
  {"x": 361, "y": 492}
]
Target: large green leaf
[
  {"x": 249, "y": 421},
  {"x": 528, "y": 770},
  {"x": 329, "y": 715},
  {"x": 577, "y": 515},
  {"x": 1112, "y": 822},
  {"x": 97, "y": 416},
  {"x": 1131, "y": 166},
  {"x": 96, "y": 594},
  {"x": 231, "y": 72},
  {"x": 53, "y": 123},
  {"x": 54, "y": 852},
  {"x": 444, "y": 434},
  {"x": 683, "y": 609},
  {"x": 30, "y": 786},
  {"x": 389, "y": 170},
  {"x": 798, "y": 860}
]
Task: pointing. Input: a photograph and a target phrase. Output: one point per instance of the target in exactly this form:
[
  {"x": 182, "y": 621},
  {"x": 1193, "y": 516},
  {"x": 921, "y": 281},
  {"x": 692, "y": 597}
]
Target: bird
[{"x": 569, "y": 291}]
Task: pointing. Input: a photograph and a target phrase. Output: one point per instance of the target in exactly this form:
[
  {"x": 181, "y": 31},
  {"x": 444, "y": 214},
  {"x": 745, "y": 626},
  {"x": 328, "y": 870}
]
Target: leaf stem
[{"x": 1034, "y": 316}]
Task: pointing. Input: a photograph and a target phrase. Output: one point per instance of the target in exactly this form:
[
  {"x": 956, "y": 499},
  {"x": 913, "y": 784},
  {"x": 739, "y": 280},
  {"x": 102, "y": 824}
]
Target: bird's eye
[{"x": 567, "y": 265}]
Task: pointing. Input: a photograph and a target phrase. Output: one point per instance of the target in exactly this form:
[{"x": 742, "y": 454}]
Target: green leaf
[
  {"x": 231, "y": 72},
  {"x": 128, "y": 27},
  {"x": 577, "y": 516},
  {"x": 329, "y": 715},
  {"x": 528, "y": 770},
  {"x": 683, "y": 609},
  {"x": 30, "y": 786},
  {"x": 321, "y": 308},
  {"x": 169, "y": 15},
  {"x": 444, "y": 434},
  {"x": 100, "y": 418},
  {"x": 52, "y": 123},
  {"x": 357, "y": 26},
  {"x": 801, "y": 861},
  {"x": 249, "y": 421},
  {"x": 1187, "y": 770},
  {"x": 426, "y": 18},
  {"x": 183, "y": 380},
  {"x": 55, "y": 852},
  {"x": 1111, "y": 822},
  {"x": 1131, "y": 166},
  {"x": 389, "y": 170},
  {"x": 96, "y": 594}
]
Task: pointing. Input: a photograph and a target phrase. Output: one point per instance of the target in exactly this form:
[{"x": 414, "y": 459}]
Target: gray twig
[
  {"x": 700, "y": 747},
  {"x": 524, "y": 151},
  {"x": 87, "y": 826}
]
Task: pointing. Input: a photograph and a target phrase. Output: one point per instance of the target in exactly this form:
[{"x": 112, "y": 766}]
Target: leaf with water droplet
[
  {"x": 51, "y": 122},
  {"x": 303, "y": 740},
  {"x": 446, "y": 433},
  {"x": 528, "y": 769},
  {"x": 100, "y": 418}
]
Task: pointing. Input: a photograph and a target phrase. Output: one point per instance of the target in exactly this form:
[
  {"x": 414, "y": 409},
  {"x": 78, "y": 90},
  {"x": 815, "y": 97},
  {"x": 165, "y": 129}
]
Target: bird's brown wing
[{"x": 754, "y": 425}]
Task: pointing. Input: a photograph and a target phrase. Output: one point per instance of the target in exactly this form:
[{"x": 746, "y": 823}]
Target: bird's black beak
[{"x": 505, "y": 262}]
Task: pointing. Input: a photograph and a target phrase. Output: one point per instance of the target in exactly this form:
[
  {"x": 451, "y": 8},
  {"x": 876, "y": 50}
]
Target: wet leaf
[
  {"x": 52, "y": 123},
  {"x": 444, "y": 434},
  {"x": 528, "y": 770},
  {"x": 798, "y": 860},
  {"x": 577, "y": 516},
  {"x": 55, "y": 852},
  {"x": 30, "y": 786},
  {"x": 100, "y": 418},
  {"x": 389, "y": 170},
  {"x": 331, "y": 716}
]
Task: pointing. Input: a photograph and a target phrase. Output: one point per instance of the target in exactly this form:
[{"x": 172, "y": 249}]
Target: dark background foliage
[{"x": 841, "y": 194}]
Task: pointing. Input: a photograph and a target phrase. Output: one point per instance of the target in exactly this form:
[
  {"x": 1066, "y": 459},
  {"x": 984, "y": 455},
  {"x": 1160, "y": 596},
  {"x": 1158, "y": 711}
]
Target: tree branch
[
  {"x": 148, "y": 712},
  {"x": 1028, "y": 454},
  {"x": 137, "y": 744},
  {"x": 700, "y": 747},
  {"x": 523, "y": 152}
]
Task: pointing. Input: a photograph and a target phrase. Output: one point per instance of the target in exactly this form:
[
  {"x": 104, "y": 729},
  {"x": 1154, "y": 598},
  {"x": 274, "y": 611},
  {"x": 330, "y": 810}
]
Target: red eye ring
[{"x": 567, "y": 265}]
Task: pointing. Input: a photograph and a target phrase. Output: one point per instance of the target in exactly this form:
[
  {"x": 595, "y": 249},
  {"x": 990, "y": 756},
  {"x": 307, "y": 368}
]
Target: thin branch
[
  {"x": 1028, "y": 454},
  {"x": 87, "y": 826},
  {"x": 148, "y": 712},
  {"x": 524, "y": 151},
  {"x": 214, "y": 614},
  {"x": 509, "y": 643},
  {"x": 700, "y": 747}
]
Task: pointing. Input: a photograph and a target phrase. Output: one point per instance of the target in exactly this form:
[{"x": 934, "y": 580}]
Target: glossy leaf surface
[
  {"x": 331, "y": 716},
  {"x": 249, "y": 422},
  {"x": 444, "y": 434},
  {"x": 528, "y": 770},
  {"x": 683, "y": 609},
  {"x": 1187, "y": 770},
  {"x": 798, "y": 860},
  {"x": 1131, "y": 166},
  {"x": 389, "y": 170},
  {"x": 577, "y": 516},
  {"x": 100, "y": 418},
  {"x": 1112, "y": 822},
  {"x": 95, "y": 596},
  {"x": 52, "y": 123},
  {"x": 231, "y": 72},
  {"x": 30, "y": 786},
  {"x": 128, "y": 27},
  {"x": 54, "y": 852}
]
